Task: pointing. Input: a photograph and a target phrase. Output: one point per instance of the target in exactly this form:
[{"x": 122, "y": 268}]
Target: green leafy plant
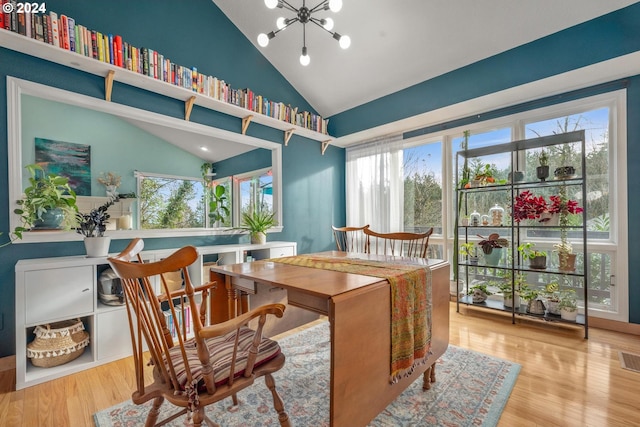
[
  {"x": 568, "y": 300},
  {"x": 258, "y": 221},
  {"x": 528, "y": 252},
  {"x": 481, "y": 287},
  {"x": 94, "y": 224},
  {"x": 551, "y": 291},
  {"x": 218, "y": 210},
  {"x": 46, "y": 192},
  {"x": 468, "y": 249},
  {"x": 543, "y": 158},
  {"x": 215, "y": 195}
]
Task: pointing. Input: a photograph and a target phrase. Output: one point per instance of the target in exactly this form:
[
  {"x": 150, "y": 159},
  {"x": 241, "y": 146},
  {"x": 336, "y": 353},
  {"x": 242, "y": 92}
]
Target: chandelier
[{"x": 304, "y": 16}]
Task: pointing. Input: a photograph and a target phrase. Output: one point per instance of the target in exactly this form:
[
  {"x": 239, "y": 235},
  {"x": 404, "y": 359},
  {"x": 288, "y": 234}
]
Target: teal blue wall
[{"x": 194, "y": 35}]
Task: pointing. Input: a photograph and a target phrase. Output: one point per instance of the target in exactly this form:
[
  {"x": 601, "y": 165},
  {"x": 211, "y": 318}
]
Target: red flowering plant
[
  {"x": 561, "y": 205},
  {"x": 528, "y": 206}
]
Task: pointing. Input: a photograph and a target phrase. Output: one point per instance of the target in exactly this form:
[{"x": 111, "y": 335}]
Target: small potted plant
[
  {"x": 537, "y": 259},
  {"x": 257, "y": 222},
  {"x": 111, "y": 182},
  {"x": 509, "y": 298},
  {"x": 486, "y": 175},
  {"x": 542, "y": 171},
  {"x": 470, "y": 250},
  {"x": 528, "y": 206},
  {"x": 92, "y": 226},
  {"x": 492, "y": 248},
  {"x": 479, "y": 293},
  {"x": 552, "y": 297},
  {"x": 49, "y": 203},
  {"x": 568, "y": 305},
  {"x": 566, "y": 257},
  {"x": 534, "y": 305}
]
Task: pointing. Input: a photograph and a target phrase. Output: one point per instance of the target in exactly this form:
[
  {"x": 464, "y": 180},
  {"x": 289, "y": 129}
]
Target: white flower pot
[
  {"x": 565, "y": 314},
  {"x": 258, "y": 238},
  {"x": 97, "y": 247},
  {"x": 509, "y": 301}
]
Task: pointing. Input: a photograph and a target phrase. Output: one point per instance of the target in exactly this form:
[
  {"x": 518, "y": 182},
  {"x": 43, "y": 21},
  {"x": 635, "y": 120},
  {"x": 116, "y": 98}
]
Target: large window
[
  {"x": 170, "y": 202},
  {"x": 425, "y": 183}
]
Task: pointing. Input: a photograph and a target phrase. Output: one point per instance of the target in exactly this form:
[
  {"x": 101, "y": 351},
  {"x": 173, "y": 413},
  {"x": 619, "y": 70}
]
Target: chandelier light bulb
[
  {"x": 263, "y": 40},
  {"x": 281, "y": 23},
  {"x": 334, "y": 5},
  {"x": 304, "y": 58},
  {"x": 345, "y": 42},
  {"x": 327, "y": 23},
  {"x": 271, "y": 4}
]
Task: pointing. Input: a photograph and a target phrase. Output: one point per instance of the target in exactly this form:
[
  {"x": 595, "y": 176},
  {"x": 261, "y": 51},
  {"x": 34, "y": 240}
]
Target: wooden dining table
[{"x": 358, "y": 308}]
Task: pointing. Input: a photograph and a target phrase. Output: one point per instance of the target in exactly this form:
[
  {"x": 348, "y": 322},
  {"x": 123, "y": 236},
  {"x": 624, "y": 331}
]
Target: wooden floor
[{"x": 565, "y": 380}]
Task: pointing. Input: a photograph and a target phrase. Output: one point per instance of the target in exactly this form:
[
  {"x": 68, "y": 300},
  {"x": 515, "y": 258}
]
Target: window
[
  {"x": 168, "y": 202},
  {"x": 255, "y": 190},
  {"x": 428, "y": 174}
]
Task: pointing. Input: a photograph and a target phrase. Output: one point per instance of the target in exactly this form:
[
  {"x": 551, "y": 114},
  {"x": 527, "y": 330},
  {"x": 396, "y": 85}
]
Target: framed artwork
[{"x": 66, "y": 159}]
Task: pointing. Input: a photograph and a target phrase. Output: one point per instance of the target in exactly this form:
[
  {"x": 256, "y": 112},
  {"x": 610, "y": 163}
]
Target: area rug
[{"x": 471, "y": 389}]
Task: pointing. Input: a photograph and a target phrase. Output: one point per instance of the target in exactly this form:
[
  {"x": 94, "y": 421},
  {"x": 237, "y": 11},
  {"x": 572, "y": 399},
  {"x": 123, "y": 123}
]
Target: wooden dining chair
[
  {"x": 350, "y": 239},
  {"x": 194, "y": 371},
  {"x": 398, "y": 244}
]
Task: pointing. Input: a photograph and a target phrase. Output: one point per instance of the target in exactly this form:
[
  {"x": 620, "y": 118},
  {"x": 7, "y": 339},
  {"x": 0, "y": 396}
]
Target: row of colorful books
[
  {"x": 183, "y": 321},
  {"x": 62, "y": 31}
]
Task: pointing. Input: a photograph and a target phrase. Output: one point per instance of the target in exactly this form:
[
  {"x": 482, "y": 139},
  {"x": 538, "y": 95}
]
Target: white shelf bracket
[
  {"x": 287, "y": 136},
  {"x": 188, "y": 106},
  {"x": 245, "y": 123},
  {"x": 325, "y": 144},
  {"x": 108, "y": 85}
]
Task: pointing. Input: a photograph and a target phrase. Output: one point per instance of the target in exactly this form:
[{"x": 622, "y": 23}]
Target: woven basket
[{"x": 57, "y": 343}]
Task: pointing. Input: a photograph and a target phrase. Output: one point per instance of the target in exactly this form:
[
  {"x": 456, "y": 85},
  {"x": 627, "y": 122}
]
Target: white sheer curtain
[{"x": 375, "y": 193}]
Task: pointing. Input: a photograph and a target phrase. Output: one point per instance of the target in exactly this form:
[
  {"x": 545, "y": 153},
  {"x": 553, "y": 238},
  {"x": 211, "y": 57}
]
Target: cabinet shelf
[
  {"x": 513, "y": 270},
  {"x": 521, "y": 311},
  {"x": 38, "y": 49}
]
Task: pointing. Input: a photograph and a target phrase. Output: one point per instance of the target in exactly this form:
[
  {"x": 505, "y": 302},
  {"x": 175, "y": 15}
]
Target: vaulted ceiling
[{"x": 396, "y": 44}]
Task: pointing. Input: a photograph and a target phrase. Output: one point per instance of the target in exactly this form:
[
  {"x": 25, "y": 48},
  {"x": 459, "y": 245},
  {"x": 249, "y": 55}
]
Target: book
[
  {"x": 30, "y": 31},
  {"x": 39, "y": 27},
  {"x": 48, "y": 36},
  {"x": 117, "y": 50},
  {"x": 54, "y": 29},
  {"x": 110, "y": 49},
  {"x": 14, "y": 16},
  {"x": 2, "y": 14},
  {"x": 22, "y": 29},
  {"x": 64, "y": 32},
  {"x": 71, "y": 31},
  {"x": 94, "y": 44}
]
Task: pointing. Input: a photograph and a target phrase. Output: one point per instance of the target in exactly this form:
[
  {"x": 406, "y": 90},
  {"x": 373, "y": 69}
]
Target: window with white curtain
[{"x": 397, "y": 185}]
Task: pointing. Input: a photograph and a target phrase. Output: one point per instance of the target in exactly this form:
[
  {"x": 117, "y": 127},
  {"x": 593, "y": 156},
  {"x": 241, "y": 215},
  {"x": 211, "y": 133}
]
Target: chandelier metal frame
[{"x": 304, "y": 15}]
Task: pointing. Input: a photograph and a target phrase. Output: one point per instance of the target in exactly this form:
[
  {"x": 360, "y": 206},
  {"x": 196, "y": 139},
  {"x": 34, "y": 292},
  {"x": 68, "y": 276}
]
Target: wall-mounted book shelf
[{"x": 39, "y": 49}]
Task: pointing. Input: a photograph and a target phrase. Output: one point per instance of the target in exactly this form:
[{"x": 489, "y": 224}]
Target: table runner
[{"x": 410, "y": 303}]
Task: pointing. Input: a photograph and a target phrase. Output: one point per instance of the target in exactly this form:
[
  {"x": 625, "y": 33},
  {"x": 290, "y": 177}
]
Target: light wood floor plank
[{"x": 564, "y": 381}]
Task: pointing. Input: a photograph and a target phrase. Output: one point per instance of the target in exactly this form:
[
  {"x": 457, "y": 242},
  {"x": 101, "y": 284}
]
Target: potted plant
[
  {"x": 92, "y": 226},
  {"x": 509, "y": 298},
  {"x": 486, "y": 175},
  {"x": 479, "y": 293},
  {"x": 470, "y": 250},
  {"x": 528, "y": 206},
  {"x": 111, "y": 182},
  {"x": 568, "y": 305},
  {"x": 492, "y": 248},
  {"x": 534, "y": 305},
  {"x": 218, "y": 211},
  {"x": 566, "y": 257},
  {"x": 542, "y": 171},
  {"x": 257, "y": 222},
  {"x": 552, "y": 296},
  {"x": 49, "y": 203},
  {"x": 215, "y": 195},
  {"x": 537, "y": 259}
]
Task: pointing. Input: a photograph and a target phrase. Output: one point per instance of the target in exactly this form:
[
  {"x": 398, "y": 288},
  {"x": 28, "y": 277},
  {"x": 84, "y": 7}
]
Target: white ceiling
[{"x": 396, "y": 44}]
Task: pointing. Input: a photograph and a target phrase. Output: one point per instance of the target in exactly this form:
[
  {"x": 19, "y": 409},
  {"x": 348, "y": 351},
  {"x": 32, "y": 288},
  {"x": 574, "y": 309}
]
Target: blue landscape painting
[{"x": 66, "y": 159}]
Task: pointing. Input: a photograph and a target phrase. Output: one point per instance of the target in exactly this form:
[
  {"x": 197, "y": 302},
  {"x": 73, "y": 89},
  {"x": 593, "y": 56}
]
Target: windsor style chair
[{"x": 191, "y": 369}]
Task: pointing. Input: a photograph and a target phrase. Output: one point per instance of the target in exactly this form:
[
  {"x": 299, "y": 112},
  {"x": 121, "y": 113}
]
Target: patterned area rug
[{"x": 471, "y": 389}]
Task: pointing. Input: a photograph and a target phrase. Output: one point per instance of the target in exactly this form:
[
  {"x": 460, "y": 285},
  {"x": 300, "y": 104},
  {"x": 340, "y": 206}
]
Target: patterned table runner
[{"x": 410, "y": 303}]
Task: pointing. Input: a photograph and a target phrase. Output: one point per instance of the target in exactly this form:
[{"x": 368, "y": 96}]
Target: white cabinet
[{"x": 54, "y": 289}]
